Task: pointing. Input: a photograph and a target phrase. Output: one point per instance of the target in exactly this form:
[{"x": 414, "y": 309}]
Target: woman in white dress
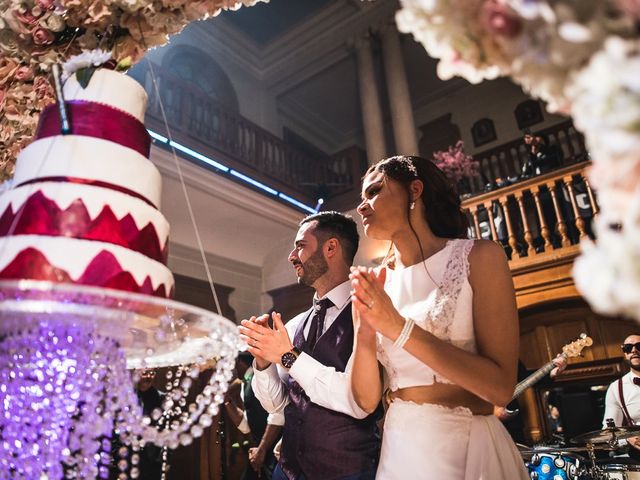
[{"x": 438, "y": 332}]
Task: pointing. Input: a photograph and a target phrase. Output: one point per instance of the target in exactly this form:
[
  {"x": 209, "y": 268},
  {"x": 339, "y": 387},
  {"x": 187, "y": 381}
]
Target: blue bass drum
[{"x": 560, "y": 466}]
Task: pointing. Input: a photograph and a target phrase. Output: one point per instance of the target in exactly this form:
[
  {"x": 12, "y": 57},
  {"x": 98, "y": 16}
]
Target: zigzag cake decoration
[{"x": 40, "y": 215}]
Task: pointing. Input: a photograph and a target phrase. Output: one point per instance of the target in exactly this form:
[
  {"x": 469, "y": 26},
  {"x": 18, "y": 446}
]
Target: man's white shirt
[
  {"x": 323, "y": 385},
  {"x": 613, "y": 406}
]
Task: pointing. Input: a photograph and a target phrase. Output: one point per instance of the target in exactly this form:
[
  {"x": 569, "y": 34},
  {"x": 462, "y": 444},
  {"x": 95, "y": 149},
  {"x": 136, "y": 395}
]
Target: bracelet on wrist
[{"x": 405, "y": 333}]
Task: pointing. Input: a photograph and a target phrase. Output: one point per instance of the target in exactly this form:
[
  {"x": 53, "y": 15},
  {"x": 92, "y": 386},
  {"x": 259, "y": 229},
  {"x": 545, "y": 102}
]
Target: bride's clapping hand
[{"x": 371, "y": 303}]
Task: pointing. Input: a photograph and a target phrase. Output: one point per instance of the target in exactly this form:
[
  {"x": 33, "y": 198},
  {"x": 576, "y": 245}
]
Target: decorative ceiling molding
[
  {"x": 289, "y": 79},
  {"x": 300, "y": 52},
  {"x": 223, "y": 40},
  {"x": 310, "y": 47}
]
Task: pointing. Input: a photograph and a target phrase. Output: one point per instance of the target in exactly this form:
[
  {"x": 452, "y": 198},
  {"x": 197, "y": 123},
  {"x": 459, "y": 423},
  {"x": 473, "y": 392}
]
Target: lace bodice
[{"x": 447, "y": 312}]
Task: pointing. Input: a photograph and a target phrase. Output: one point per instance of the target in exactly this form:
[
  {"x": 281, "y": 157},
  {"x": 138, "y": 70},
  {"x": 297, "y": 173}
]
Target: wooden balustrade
[
  {"x": 537, "y": 217},
  {"x": 507, "y": 159},
  {"x": 199, "y": 122},
  {"x": 540, "y": 214}
]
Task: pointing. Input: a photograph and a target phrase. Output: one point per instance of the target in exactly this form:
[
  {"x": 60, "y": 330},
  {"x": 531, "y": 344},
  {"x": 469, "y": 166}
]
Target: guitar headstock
[{"x": 574, "y": 349}]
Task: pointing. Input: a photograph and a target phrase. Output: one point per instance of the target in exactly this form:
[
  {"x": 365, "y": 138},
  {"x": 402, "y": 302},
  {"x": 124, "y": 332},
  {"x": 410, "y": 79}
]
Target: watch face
[{"x": 287, "y": 359}]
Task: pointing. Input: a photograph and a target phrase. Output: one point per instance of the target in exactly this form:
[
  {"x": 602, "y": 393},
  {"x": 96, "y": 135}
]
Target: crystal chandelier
[{"x": 66, "y": 353}]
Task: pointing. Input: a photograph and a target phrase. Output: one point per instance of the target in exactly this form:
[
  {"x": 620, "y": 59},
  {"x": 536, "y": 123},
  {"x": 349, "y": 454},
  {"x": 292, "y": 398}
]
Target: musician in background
[
  {"x": 251, "y": 418},
  {"x": 622, "y": 402},
  {"x": 542, "y": 158},
  {"x": 510, "y": 414}
]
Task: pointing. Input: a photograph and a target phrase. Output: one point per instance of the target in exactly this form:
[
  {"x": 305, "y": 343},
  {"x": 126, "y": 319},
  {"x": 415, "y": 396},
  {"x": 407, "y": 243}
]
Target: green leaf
[{"x": 84, "y": 75}]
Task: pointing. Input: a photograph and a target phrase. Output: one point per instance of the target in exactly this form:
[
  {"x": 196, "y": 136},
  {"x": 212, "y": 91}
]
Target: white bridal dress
[{"x": 426, "y": 441}]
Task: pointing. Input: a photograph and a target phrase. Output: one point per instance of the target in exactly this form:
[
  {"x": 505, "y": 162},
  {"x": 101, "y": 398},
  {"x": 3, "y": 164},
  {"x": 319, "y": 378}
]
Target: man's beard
[
  {"x": 313, "y": 268},
  {"x": 635, "y": 368}
]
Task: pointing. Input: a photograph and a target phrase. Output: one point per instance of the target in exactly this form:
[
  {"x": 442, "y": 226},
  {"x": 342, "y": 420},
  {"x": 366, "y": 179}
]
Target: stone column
[
  {"x": 404, "y": 129},
  {"x": 370, "y": 101}
]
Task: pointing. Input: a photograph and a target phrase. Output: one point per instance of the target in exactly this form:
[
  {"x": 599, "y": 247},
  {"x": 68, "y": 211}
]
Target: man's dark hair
[{"x": 336, "y": 225}]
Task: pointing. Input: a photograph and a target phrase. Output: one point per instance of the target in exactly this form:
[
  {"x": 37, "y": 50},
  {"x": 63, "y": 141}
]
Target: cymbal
[
  {"x": 559, "y": 450},
  {"x": 608, "y": 435}
]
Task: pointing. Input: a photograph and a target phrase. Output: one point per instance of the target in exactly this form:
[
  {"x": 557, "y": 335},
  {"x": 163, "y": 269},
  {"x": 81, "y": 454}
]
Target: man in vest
[
  {"x": 303, "y": 368},
  {"x": 622, "y": 403}
]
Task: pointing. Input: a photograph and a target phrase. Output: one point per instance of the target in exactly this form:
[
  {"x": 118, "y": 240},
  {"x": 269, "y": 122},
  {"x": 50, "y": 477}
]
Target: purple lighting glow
[
  {"x": 63, "y": 387},
  {"x": 67, "y": 354}
]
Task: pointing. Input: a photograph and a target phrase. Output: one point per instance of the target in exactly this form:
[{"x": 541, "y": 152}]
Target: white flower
[
  {"x": 606, "y": 108},
  {"x": 6, "y": 186},
  {"x": 450, "y": 31},
  {"x": 94, "y": 58},
  {"x": 55, "y": 23},
  {"x": 608, "y": 274}
]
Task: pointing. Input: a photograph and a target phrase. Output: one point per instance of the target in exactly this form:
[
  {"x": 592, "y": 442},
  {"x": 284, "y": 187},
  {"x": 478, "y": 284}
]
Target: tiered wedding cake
[{"x": 85, "y": 205}]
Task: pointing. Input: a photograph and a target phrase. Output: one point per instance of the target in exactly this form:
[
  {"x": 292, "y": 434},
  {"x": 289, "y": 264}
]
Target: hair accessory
[
  {"x": 411, "y": 167},
  {"x": 405, "y": 333}
]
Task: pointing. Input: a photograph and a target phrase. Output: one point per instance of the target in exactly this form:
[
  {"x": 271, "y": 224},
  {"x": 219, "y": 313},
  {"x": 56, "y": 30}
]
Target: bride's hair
[{"x": 442, "y": 203}]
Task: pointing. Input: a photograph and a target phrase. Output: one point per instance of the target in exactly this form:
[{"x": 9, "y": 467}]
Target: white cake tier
[
  {"x": 89, "y": 158},
  {"x": 111, "y": 88},
  {"x": 73, "y": 257},
  {"x": 95, "y": 200}
]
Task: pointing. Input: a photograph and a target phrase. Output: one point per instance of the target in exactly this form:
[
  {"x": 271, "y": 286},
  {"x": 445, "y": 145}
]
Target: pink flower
[
  {"x": 24, "y": 73},
  {"x": 26, "y": 18},
  {"x": 46, "y": 4},
  {"x": 42, "y": 36},
  {"x": 8, "y": 67},
  {"x": 498, "y": 19},
  {"x": 456, "y": 164},
  {"x": 630, "y": 7},
  {"x": 43, "y": 88}
]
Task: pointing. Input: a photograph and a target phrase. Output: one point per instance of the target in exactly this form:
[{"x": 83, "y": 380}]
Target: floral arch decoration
[{"x": 582, "y": 57}]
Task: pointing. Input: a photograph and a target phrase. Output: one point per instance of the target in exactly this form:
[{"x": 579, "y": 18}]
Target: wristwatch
[{"x": 288, "y": 358}]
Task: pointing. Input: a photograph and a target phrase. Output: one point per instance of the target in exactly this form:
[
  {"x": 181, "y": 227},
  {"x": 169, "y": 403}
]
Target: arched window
[{"x": 202, "y": 73}]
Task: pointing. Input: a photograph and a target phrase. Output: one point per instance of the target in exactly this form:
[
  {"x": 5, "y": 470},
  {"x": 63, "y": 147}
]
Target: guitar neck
[{"x": 532, "y": 379}]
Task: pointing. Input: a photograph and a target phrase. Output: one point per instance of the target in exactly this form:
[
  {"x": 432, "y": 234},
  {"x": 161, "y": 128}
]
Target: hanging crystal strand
[{"x": 165, "y": 464}]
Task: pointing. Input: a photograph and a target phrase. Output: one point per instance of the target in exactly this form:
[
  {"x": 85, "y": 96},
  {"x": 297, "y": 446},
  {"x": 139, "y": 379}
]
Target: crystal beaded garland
[
  {"x": 62, "y": 387},
  {"x": 66, "y": 384}
]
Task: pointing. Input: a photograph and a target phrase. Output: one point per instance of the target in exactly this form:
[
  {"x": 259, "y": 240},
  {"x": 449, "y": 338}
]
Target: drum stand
[{"x": 595, "y": 472}]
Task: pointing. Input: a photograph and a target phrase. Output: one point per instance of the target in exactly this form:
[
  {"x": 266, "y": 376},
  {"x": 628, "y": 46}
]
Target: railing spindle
[
  {"x": 560, "y": 224},
  {"x": 513, "y": 243},
  {"x": 474, "y": 213},
  {"x": 544, "y": 229},
  {"x": 592, "y": 199},
  {"x": 580, "y": 224},
  {"x": 492, "y": 225},
  {"x": 525, "y": 224}
]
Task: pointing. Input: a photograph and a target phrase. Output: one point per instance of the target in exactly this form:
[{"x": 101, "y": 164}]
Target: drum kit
[{"x": 579, "y": 462}]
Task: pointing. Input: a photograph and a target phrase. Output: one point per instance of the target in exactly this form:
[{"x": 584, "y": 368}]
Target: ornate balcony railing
[
  {"x": 199, "y": 122},
  {"x": 537, "y": 219},
  {"x": 506, "y": 160}
]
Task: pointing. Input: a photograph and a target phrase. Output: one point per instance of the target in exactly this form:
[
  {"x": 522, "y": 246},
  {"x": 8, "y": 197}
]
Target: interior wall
[
  {"x": 495, "y": 100},
  {"x": 246, "y": 280}
]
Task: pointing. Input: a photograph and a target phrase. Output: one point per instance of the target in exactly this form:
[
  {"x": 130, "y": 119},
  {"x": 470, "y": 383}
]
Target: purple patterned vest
[{"x": 318, "y": 442}]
